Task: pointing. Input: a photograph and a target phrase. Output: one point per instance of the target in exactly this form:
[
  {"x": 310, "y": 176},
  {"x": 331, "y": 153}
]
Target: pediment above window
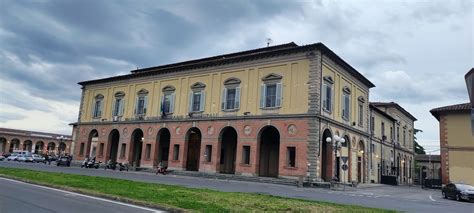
[
  {"x": 99, "y": 96},
  {"x": 198, "y": 85},
  {"x": 142, "y": 92},
  {"x": 232, "y": 81},
  {"x": 169, "y": 88},
  {"x": 328, "y": 79},
  {"x": 119, "y": 94},
  {"x": 346, "y": 89},
  {"x": 361, "y": 99},
  {"x": 271, "y": 77}
]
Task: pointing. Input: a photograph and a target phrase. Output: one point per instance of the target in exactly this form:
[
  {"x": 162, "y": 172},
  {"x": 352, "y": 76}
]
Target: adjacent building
[
  {"x": 429, "y": 169},
  {"x": 276, "y": 111},
  {"x": 35, "y": 142}
]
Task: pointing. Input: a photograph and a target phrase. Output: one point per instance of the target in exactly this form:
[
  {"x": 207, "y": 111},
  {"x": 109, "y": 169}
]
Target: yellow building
[
  {"x": 456, "y": 142},
  {"x": 277, "y": 111}
]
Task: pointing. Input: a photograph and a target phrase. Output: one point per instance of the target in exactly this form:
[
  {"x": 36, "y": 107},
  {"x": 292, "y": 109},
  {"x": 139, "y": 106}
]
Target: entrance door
[
  {"x": 136, "y": 151},
  {"x": 228, "y": 143},
  {"x": 359, "y": 169},
  {"x": 194, "y": 150}
]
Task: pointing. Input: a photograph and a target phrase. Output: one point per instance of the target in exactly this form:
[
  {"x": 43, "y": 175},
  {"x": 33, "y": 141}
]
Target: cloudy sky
[{"x": 416, "y": 52}]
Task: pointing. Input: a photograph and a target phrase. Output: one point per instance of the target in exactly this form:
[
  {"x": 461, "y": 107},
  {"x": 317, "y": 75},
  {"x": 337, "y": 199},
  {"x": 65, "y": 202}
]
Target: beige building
[
  {"x": 392, "y": 149},
  {"x": 429, "y": 168},
  {"x": 456, "y": 143}
]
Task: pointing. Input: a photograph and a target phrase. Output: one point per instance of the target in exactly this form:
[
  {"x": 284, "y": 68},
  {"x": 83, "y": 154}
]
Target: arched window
[
  {"x": 197, "y": 97},
  {"x": 327, "y": 93},
  {"x": 118, "y": 104},
  {"x": 141, "y": 102},
  {"x": 271, "y": 91},
  {"x": 167, "y": 100},
  {"x": 97, "y": 107},
  {"x": 231, "y": 95}
]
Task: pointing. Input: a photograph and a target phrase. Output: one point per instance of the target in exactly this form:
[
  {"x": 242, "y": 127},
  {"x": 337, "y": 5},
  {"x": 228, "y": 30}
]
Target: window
[
  {"x": 382, "y": 130},
  {"x": 327, "y": 93},
  {"x": 208, "y": 153},
  {"x": 81, "y": 150},
  {"x": 391, "y": 133},
  {"x": 404, "y": 137},
  {"x": 372, "y": 147},
  {"x": 361, "y": 101},
  {"x": 167, "y": 100},
  {"x": 291, "y": 156},
  {"x": 141, "y": 102},
  {"x": 118, "y": 104},
  {"x": 398, "y": 134},
  {"x": 176, "y": 152},
  {"x": 346, "y": 103},
  {"x": 148, "y": 151},
  {"x": 271, "y": 92},
  {"x": 97, "y": 108},
  {"x": 246, "y": 155},
  {"x": 122, "y": 150},
  {"x": 197, "y": 98},
  {"x": 372, "y": 124},
  {"x": 101, "y": 149},
  {"x": 231, "y": 94}
]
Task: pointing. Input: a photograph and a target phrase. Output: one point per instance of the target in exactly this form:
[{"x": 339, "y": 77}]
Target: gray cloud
[{"x": 415, "y": 52}]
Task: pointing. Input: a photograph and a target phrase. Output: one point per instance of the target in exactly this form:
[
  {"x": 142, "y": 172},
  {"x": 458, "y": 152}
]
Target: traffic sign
[
  {"x": 344, "y": 159},
  {"x": 345, "y": 167}
]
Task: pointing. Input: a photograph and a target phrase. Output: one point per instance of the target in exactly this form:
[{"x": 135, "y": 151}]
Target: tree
[{"x": 420, "y": 150}]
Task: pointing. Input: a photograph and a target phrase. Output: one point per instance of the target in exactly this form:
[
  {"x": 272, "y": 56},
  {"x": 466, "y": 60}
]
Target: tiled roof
[
  {"x": 249, "y": 55},
  {"x": 466, "y": 107},
  {"x": 393, "y": 104}
]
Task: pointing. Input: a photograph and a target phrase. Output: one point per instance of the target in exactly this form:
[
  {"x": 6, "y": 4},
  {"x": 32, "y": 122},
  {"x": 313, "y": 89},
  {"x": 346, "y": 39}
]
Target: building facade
[
  {"x": 456, "y": 143},
  {"x": 35, "y": 142},
  {"x": 429, "y": 168},
  {"x": 272, "y": 111}
]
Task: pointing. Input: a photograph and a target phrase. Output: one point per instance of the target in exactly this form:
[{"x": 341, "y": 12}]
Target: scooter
[
  {"x": 123, "y": 166},
  {"x": 110, "y": 165},
  {"x": 85, "y": 163},
  {"x": 162, "y": 170}
]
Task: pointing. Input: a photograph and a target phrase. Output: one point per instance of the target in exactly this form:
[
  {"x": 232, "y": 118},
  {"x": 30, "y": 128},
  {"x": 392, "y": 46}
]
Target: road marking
[
  {"x": 431, "y": 198},
  {"x": 86, "y": 196}
]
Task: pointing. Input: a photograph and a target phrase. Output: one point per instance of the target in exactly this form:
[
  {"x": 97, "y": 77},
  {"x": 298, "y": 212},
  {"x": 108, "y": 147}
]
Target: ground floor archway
[
  {"x": 62, "y": 148},
  {"x": 3, "y": 145},
  {"x": 27, "y": 145},
  {"x": 51, "y": 147},
  {"x": 228, "y": 148},
  {"x": 163, "y": 139},
  {"x": 326, "y": 156},
  {"x": 113, "y": 145},
  {"x": 39, "y": 147},
  {"x": 93, "y": 137},
  {"x": 193, "y": 150},
  {"x": 14, "y": 145},
  {"x": 135, "y": 155},
  {"x": 269, "y": 152},
  {"x": 360, "y": 162}
]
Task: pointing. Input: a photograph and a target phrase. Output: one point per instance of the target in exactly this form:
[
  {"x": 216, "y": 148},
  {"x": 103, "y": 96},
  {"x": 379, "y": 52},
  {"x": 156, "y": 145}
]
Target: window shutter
[
  {"x": 279, "y": 91},
  {"x": 171, "y": 110},
  {"x": 162, "y": 104},
  {"x": 145, "y": 103},
  {"x": 324, "y": 97},
  {"x": 122, "y": 107},
  {"x": 203, "y": 101},
  {"x": 262, "y": 96},
  {"x": 136, "y": 106},
  {"x": 93, "y": 109},
  {"x": 190, "y": 101},
  {"x": 224, "y": 98},
  {"x": 330, "y": 107},
  {"x": 113, "y": 108},
  {"x": 100, "y": 107},
  {"x": 237, "y": 98}
]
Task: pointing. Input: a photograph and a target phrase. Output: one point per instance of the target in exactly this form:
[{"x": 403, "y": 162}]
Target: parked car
[
  {"x": 12, "y": 157},
  {"x": 458, "y": 191},
  {"x": 20, "y": 158},
  {"x": 63, "y": 161},
  {"x": 28, "y": 158},
  {"x": 38, "y": 158},
  {"x": 2, "y": 158}
]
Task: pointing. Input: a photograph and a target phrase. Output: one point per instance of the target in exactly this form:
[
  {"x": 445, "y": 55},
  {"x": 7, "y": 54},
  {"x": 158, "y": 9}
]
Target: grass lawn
[{"x": 176, "y": 197}]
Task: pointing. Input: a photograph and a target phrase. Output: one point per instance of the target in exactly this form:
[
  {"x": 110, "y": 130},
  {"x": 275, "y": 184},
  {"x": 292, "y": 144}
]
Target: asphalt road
[
  {"x": 401, "y": 198},
  {"x": 17, "y": 197}
]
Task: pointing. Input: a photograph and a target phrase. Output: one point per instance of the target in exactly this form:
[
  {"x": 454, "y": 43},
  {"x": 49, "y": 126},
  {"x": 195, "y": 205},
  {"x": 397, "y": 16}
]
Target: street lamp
[
  {"x": 60, "y": 138},
  {"x": 338, "y": 141}
]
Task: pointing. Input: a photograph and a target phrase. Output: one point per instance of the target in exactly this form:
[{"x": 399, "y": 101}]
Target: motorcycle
[
  {"x": 110, "y": 165},
  {"x": 123, "y": 166},
  {"x": 84, "y": 163}
]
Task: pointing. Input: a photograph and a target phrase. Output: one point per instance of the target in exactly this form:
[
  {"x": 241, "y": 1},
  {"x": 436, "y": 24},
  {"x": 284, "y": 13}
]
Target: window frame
[
  {"x": 171, "y": 92},
  {"x": 97, "y": 106},
  {"x": 197, "y": 89},
  {"x": 291, "y": 163},
  {"x": 327, "y": 99},
  {"x": 270, "y": 80},
  {"x": 246, "y": 151},
  {"x": 346, "y": 96},
  {"x": 141, "y": 95},
  {"x": 361, "y": 109},
  {"x": 118, "y": 105},
  {"x": 231, "y": 84}
]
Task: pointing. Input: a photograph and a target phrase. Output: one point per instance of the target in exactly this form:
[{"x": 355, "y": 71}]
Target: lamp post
[
  {"x": 60, "y": 138},
  {"x": 338, "y": 141}
]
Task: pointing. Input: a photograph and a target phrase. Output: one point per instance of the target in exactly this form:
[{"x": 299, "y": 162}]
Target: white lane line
[
  {"x": 431, "y": 198},
  {"x": 86, "y": 196}
]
